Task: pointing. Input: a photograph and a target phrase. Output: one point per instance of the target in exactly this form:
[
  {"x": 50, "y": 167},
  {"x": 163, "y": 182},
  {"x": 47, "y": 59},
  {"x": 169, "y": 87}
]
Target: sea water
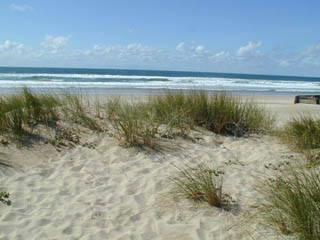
[{"x": 13, "y": 79}]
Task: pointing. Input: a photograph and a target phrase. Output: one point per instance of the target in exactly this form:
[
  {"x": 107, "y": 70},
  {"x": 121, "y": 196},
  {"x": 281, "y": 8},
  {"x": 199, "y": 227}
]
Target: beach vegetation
[
  {"x": 40, "y": 108},
  {"x": 4, "y": 198},
  {"x": 74, "y": 109},
  {"x": 135, "y": 124},
  {"x": 178, "y": 112},
  {"x": 26, "y": 109},
  {"x": 291, "y": 203},
  {"x": 220, "y": 113},
  {"x": 200, "y": 183},
  {"x": 303, "y": 132}
]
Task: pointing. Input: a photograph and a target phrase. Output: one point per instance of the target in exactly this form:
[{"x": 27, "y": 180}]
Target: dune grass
[
  {"x": 135, "y": 124},
  {"x": 303, "y": 132},
  {"x": 220, "y": 113},
  {"x": 13, "y": 115},
  {"x": 292, "y": 203},
  {"x": 74, "y": 110},
  {"x": 40, "y": 108},
  {"x": 200, "y": 183},
  {"x": 26, "y": 109},
  {"x": 138, "y": 123},
  {"x": 181, "y": 111}
]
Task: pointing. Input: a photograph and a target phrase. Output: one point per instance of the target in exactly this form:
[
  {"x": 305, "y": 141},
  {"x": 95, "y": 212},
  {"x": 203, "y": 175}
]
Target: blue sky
[{"x": 248, "y": 36}]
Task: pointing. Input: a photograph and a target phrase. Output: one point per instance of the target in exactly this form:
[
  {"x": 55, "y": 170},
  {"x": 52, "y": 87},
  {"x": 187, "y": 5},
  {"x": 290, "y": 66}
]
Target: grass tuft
[
  {"x": 292, "y": 203},
  {"x": 178, "y": 112},
  {"x": 135, "y": 124},
  {"x": 303, "y": 132},
  {"x": 75, "y": 110},
  {"x": 220, "y": 113},
  {"x": 199, "y": 183}
]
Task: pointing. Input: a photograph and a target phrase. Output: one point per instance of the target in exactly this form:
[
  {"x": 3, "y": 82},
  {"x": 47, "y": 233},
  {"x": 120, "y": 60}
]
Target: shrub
[
  {"x": 198, "y": 183},
  {"x": 292, "y": 203}
]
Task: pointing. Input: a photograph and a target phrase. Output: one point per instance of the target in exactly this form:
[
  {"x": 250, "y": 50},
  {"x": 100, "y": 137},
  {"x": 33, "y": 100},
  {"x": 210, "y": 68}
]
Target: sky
[{"x": 249, "y": 36}]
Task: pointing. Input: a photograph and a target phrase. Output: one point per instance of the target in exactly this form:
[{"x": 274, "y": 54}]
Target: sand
[{"x": 100, "y": 190}]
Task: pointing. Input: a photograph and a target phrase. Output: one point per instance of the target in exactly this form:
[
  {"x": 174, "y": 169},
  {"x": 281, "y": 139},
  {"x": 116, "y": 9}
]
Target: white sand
[{"x": 112, "y": 192}]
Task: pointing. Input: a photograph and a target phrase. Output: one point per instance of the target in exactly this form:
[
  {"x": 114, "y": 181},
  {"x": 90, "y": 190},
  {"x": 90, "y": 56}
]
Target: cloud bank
[{"x": 251, "y": 57}]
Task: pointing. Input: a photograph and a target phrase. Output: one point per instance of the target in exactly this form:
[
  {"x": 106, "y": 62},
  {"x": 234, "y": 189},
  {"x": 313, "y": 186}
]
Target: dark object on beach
[
  {"x": 308, "y": 99},
  {"x": 4, "y": 198}
]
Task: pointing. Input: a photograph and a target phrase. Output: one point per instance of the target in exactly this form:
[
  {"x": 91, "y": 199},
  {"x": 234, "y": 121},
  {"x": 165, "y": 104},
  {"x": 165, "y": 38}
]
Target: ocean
[{"x": 99, "y": 81}]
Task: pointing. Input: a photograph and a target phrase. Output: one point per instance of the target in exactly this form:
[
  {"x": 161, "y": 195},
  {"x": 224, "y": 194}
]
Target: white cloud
[
  {"x": 55, "y": 43},
  {"x": 222, "y": 56},
  {"x": 199, "y": 49},
  {"x": 249, "y": 58},
  {"x": 284, "y": 63},
  {"x": 20, "y": 8},
  {"x": 180, "y": 46},
  {"x": 10, "y": 46},
  {"x": 312, "y": 51},
  {"x": 191, "y": 53},
  {"x": 248, "y": 49},
  {"x": 134, "y": 52}
]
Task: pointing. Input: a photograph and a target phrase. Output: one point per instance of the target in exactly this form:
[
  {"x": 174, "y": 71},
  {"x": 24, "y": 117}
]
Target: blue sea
[{"x": 99, "y": 81}]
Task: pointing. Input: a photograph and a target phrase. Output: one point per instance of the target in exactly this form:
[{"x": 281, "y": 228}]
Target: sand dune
[{"x": 100, "y": 190}]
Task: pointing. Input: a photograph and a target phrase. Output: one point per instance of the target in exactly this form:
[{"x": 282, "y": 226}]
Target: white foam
[{"x": 14, "y": 80}]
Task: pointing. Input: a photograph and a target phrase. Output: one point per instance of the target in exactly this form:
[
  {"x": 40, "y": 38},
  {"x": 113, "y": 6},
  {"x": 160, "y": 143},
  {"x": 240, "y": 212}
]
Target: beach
[{"x": 96, "y": 188}]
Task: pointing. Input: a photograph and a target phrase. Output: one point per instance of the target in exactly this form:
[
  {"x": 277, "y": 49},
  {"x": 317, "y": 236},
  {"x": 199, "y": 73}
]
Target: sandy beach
[{"x": 98, "y": 189}]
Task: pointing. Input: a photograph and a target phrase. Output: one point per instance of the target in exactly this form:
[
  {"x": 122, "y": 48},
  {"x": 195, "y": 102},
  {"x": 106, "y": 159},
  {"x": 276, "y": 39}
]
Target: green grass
[
  {"x": 220, "y": 113},
  {"x": 292, "y": 203},
  {"x": 200, "y": 183},
  {"x": 181, "y": 111},
  {"x": 41, "y": 108},
  {"x": 26, "y": 109},
  {"x": 135, "y": 124},
  {"x": 74, "y": 110},
  {"x": 172, "y": 109},
  {"x": 21, "y": 112},
  {"x": 302, "y": 132},
  {"x": 13, "y": 115}
]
